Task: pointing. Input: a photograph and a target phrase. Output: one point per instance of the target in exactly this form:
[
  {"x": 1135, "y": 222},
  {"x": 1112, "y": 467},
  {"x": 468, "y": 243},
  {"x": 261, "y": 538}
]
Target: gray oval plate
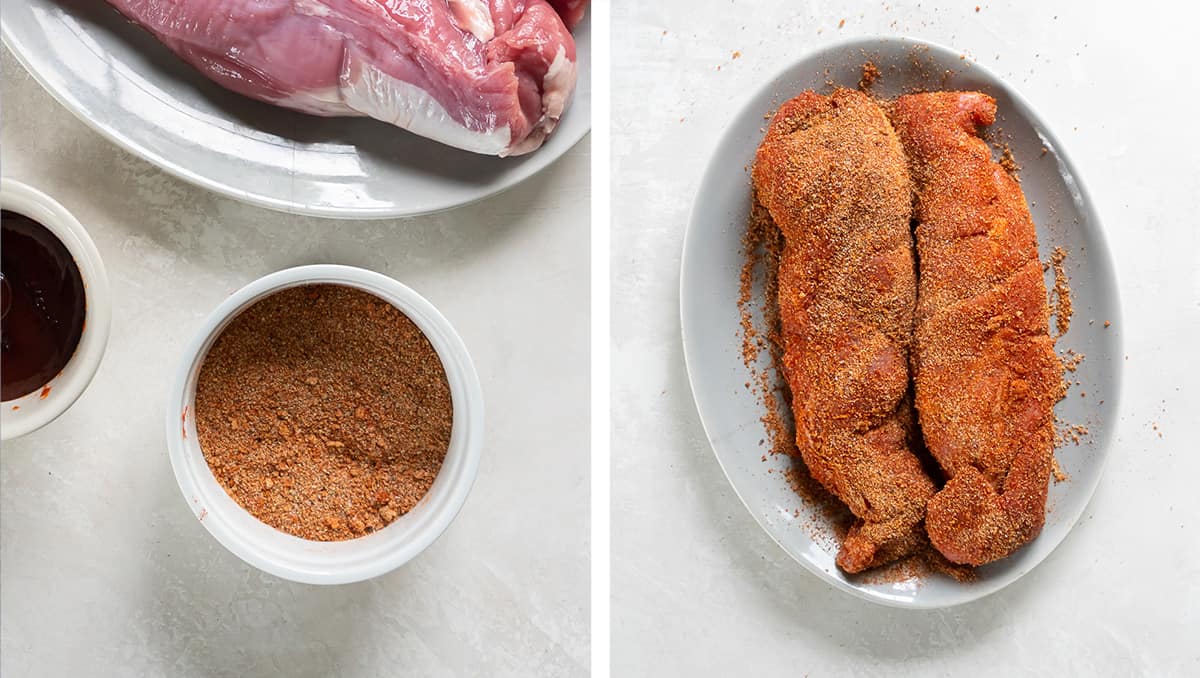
[
  {"x": 712, "y": 262},
  {"x": 119, "y": 80}
]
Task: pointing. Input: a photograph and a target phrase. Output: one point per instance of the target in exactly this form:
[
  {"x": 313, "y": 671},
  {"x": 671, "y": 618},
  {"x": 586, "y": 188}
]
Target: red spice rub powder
[
  {"x": 762, "y": 245},
  {"x": 870, "y": 74},
  {"x": 324, "y": 411},
  {"x": 1060, "y": 304}
]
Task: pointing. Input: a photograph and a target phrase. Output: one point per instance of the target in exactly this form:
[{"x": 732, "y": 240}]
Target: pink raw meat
[
  {"x": 489, "y": 76},
  {"x": 571, "y": 11}
]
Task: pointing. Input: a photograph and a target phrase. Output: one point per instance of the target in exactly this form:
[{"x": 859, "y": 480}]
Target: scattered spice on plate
[
  {"x": 324, "y": 411},
  {"x": 870, "y": 74},
  {"x": 1060, "y": 304},
  {"x": 1056, "y": 470},
  {"x": 1071, "y": 360},
  {"x": 758, "y": 295},
  {"x": 1009, "y": 162},
  {"x": 1066, "y": 432}
]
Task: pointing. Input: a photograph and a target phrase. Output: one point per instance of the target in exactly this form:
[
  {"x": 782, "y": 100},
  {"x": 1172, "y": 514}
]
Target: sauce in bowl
[{"x": 43, "y": 305}]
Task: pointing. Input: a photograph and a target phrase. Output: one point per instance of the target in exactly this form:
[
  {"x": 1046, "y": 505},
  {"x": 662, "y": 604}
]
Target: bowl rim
[
  {"x": 299, "y": 560},
  {"x": 32, "y": 411},
  {"x": 1102, "y": 254}
]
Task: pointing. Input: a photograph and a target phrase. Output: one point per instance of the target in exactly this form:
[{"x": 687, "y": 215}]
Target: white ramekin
[
  {"x": 340, "y": 562},
  {"x": 34, "y": 410}
]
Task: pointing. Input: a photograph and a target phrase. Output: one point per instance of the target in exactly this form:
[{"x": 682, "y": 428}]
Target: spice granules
[
  {"x": 1060, "y": 305},
  {"x": 760, "y": 319},
  {"x": 324, "y": 411},
  {"x": 870, "y": 74},
  {"x": 762, "y": 245}
]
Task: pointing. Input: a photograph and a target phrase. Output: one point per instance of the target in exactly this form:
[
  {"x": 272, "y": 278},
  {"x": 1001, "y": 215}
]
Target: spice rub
[
  {"x": 324, "y": 411},
  {"x": 832, "y": 175},
  {"x": 1061, "y": 308},
  {"x": 985, "y": 370}
]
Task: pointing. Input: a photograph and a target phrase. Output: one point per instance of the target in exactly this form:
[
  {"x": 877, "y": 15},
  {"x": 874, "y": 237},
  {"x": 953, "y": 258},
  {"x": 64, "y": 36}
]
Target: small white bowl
[
  {"x": 338, "y": 562},
  {"x": 32, "y": 411}
]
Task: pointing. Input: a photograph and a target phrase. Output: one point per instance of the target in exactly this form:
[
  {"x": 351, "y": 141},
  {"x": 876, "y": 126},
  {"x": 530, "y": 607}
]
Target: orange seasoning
[{"x": 324, "y": 411}]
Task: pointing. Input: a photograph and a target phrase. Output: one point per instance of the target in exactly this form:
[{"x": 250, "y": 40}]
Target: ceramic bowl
[
  {"x": 712, "y": 259},
  {"x": 336, "y": 562},
  {"x": 34, "y": 410}
]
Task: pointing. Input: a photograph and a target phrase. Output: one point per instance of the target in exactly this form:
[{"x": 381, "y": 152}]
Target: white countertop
[
  {"x": 698, "y": 588},
  {"x": 106, "y": 572}
]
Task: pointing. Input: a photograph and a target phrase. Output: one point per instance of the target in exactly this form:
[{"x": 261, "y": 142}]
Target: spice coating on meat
[
  {"x": 832, "y": 174},
  {"x": 985, "y": 370}
]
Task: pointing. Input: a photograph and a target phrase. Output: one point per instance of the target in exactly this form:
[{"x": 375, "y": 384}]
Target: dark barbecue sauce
[{"x": 42, "y": 304}]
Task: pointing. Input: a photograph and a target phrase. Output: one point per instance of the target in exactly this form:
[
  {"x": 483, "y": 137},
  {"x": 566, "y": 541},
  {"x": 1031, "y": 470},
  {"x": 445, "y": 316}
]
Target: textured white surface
[
  {"x": 105, "y": 571},
  {"x": 698, "y": 588}
]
